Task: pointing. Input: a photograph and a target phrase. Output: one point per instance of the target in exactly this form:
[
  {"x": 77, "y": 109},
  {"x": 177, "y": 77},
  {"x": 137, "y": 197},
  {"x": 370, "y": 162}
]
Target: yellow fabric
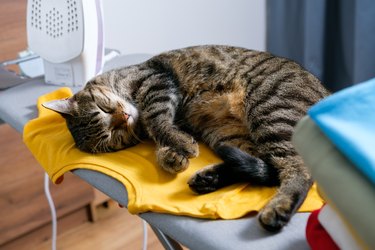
[{"x": 149, "y": 187}]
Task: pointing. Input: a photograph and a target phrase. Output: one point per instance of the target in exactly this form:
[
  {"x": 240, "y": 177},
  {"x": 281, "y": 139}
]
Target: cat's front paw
[
  {"x": 187, "y": 145},
  {"x": 171, "y": 161},
  {"x": 205, "y": 181}
]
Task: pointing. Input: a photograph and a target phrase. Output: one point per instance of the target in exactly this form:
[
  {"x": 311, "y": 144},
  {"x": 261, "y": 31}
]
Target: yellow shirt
[{"x": 149, "y": 187}]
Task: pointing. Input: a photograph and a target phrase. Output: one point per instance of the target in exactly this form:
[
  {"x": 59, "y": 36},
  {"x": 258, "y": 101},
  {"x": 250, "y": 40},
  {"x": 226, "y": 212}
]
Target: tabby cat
[{"x": 241, "y": 103}]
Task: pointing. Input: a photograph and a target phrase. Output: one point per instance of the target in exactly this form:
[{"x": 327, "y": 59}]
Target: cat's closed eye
[{"x": 106, "y": 109}]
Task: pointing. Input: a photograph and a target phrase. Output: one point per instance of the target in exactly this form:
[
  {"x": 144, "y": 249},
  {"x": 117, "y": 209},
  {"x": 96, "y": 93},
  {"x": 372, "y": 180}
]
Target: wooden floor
[{"x": 115, "y": 229}]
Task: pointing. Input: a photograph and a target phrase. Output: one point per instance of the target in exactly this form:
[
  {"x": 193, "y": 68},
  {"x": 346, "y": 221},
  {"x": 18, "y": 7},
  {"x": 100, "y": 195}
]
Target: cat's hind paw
[
  {"x": 273, "y": 217},
  {"x": 206, "y": 180}
]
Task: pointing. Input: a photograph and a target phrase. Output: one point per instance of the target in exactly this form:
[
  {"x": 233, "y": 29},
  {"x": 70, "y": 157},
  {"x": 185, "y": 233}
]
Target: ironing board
[{"x": 18, "y": 106}]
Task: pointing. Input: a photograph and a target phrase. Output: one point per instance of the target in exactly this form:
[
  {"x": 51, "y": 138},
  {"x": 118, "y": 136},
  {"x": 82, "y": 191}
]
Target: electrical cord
[
  {"x": 144, "y": 235},
  {"x": 53, "y": 210},
  {"x": 54, "y": 220}
]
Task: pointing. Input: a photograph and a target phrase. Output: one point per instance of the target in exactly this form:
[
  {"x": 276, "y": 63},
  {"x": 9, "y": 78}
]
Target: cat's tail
[
  {"x": 238, "y": 166},
  {"x": 245, "y": 167}
]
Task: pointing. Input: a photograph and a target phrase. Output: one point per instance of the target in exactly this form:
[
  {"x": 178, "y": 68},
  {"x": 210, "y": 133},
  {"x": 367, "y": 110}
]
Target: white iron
[{"x": 68, "y": 35}]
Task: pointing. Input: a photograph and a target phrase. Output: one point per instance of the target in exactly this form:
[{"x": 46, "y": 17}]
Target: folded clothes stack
[
  {"x": 339, "y": 231},
  {"x": 340, "y": 154}
]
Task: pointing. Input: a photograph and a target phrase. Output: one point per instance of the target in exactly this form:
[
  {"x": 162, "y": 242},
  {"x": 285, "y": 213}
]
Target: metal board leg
[{"x": 167, "y": 242}]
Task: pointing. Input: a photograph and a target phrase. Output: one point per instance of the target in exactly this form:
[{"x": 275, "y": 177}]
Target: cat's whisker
[{"x": 98, "y": 144}]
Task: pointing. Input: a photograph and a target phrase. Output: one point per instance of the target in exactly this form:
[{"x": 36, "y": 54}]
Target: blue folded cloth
[{"x": 347, "y": 118}]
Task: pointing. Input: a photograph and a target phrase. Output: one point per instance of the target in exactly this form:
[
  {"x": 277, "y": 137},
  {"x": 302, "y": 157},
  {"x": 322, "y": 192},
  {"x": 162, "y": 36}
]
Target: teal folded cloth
[{"x": 347, "y": 118}]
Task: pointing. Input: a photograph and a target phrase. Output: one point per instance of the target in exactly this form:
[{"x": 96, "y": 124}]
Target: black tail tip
[
  {"x": 230, "y": 153},
  {"x": 226, "y": 150}
]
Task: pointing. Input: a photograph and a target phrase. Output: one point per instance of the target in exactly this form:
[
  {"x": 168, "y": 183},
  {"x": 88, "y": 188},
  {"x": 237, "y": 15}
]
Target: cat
[{"x": 242, "y": 103}]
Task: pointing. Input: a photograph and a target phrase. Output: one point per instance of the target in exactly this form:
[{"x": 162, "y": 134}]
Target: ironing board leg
[{"x": 167, "y": 242}]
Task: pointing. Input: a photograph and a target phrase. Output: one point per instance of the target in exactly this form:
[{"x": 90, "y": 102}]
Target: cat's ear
[{"x": 63, "y": 106}]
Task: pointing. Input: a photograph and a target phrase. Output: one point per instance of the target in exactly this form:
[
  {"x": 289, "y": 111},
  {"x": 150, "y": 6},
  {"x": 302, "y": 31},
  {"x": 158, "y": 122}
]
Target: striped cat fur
[{"x": 242, "y": 103}]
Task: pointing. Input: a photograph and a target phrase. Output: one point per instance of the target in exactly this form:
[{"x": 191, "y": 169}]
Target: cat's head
[{"x": 99, "y": 120}]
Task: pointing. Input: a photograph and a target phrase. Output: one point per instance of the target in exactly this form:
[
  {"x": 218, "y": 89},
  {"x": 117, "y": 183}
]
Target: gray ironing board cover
[{"x": 18, "y": 106}]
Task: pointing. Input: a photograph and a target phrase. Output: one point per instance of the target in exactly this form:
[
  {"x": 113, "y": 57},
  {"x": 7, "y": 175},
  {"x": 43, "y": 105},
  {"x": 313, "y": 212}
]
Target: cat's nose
[{"x": 126, "y": 116}]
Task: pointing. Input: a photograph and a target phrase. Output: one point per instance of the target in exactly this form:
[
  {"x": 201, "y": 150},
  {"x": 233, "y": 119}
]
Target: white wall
[{"x": 152, "y": 26}]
